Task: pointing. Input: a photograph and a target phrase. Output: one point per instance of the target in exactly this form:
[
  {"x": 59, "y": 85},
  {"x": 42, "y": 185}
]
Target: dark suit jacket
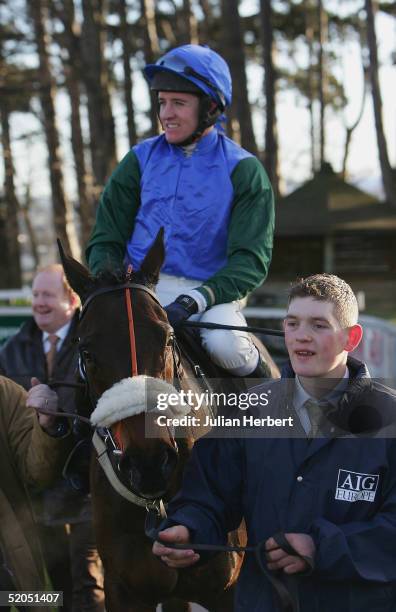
[{"x": 23, "y": 357}]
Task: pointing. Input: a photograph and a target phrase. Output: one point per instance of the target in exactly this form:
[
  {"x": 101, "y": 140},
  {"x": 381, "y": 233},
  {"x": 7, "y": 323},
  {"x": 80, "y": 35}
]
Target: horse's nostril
[{"x": 137, "y": 469}]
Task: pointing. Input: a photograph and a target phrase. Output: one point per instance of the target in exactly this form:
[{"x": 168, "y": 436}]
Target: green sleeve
[
  {"x": 115, "y": 218},
  {"x": 250, "y": 236}
]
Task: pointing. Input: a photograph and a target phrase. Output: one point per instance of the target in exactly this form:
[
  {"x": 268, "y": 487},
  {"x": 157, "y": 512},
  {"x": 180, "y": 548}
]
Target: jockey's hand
[
  {"x": 178, "y": 311},
  {"x": 42, "y": 397},
  {"x": 175, "y": 558},
  {"x": 277, "y": 558}
]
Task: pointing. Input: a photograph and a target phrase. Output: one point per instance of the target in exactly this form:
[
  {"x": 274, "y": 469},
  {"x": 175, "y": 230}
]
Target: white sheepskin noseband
[{"x": 133, "y": 396}]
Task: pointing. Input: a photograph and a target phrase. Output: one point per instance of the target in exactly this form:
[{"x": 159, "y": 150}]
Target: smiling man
[
  {"x": 330, "y": 488},
  {"x": 178, "y": 113},
  {"x": 43, "y": 349},
  {"x": 320, "y": 333},
  {"x": 53, "y": 302},
  {"x": 212, "y": 198}
]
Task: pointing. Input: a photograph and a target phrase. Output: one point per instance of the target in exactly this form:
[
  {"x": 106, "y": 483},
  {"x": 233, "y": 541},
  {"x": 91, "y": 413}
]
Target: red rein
[
  {"x": 117, "y": 429},
  {"x": 131, "y": 327}
]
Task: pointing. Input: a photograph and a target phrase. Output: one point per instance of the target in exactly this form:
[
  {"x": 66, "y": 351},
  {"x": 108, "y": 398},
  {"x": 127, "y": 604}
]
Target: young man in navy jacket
[{"x": 330, "y": 487}]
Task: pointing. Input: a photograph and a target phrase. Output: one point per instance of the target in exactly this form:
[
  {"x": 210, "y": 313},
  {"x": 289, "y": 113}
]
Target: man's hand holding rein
[{"x": 41, "y": 397}]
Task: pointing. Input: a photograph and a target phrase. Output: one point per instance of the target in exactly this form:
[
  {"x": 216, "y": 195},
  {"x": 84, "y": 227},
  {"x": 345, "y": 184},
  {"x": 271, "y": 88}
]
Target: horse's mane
[{"x": 110, "y": 277}]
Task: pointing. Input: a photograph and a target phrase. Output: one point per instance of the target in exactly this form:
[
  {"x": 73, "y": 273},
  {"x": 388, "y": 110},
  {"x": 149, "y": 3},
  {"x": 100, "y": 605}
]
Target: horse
[{"x": 124, "y": 335}]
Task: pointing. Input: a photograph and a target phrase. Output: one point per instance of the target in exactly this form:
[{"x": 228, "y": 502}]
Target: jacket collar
[{"x": 207, "y": 142}]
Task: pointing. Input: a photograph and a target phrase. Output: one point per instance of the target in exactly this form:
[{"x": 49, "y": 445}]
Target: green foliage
[{"x": 388, "y": 7}]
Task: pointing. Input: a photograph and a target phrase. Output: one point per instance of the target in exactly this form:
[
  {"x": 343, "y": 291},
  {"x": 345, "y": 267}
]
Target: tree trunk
[
  {"x": 234, "y": 54},
  {"x": 386, "y": 169},
  {"x": 72, "y": 69},
  {"x": 25, "y": 210},
  {"x": 128, "y": 84},
  {"x": 151, "y": 53},
  {"x": 309, "y": 35},
  {"x": 352, "y": 128},
  {"x": 188, "y": 27},
  {"x": 205, "y": 23},
  {"x": 271, "y": 136},
  {"x": 11, "y": 275},
  {"x": 63, "y": 221},
  {"x": 322, "y": 36},
  {"x": 96, "y": 80}
]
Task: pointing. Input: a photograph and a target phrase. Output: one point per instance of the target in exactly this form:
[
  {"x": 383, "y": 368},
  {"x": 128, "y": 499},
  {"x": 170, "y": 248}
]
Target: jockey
[{"x": 212, "y": 198}]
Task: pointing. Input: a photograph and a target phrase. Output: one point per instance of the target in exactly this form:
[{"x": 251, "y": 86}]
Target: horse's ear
[
  {"x": 152, "y": 263},
  {"x": 78, "y": 277}
]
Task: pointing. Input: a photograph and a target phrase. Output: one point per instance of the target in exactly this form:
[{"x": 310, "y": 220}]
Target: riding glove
[{"x": 178, "y": 311}]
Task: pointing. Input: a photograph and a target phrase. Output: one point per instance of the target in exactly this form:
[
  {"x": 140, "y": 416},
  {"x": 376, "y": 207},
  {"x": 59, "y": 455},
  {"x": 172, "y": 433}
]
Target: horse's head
[{"x": 124, "y": 333}]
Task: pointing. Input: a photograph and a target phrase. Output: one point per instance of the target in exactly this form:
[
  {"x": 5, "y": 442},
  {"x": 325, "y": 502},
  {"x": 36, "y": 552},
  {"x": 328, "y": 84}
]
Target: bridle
[
  {"x": 126, "y": 287},
  {"x": 109, "y": 443}
]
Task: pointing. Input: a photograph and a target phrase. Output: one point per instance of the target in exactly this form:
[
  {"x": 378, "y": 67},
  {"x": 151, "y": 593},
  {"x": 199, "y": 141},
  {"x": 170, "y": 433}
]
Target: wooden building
[{"x": 328, "y": 225}]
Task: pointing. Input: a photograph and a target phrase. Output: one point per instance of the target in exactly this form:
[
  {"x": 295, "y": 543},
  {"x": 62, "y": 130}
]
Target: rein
[
  {"x": 288, "y": 597},
  {"x": 67, "y": 415},
  {"x": 254, "y": 330},
  {"x": 65, "y": 383},
  {"x": 131, "y": 327}
]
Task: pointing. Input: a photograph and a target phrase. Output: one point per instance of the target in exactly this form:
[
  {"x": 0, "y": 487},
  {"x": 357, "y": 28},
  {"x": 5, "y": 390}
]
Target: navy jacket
[{"x": 341, "y": 491}]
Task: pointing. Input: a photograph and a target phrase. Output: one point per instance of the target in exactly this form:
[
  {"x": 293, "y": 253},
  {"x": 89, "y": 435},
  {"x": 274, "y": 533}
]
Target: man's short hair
[
  {"x": 71, "y": 294},
  {"x": 329, "y": 288}
]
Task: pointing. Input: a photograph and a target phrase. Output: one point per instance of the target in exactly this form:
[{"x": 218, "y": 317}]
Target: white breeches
[{"x": 232, "y": 350}]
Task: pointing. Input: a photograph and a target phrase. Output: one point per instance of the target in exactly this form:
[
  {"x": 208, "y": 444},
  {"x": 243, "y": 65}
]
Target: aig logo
[{"x": 353, "y": 486}]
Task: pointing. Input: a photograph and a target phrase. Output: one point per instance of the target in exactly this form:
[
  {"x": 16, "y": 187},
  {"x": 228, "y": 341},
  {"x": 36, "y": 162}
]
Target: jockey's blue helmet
[{"x": 194, "y": 69}]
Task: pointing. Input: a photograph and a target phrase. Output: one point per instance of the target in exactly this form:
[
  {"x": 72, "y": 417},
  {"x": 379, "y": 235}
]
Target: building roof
[{"x": 326, "y": 204}]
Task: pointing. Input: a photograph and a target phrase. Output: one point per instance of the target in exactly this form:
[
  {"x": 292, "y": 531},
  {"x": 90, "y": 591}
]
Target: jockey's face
[
  {"x": 52, "y": 306},
  {"x": 178, "y": 113}
]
